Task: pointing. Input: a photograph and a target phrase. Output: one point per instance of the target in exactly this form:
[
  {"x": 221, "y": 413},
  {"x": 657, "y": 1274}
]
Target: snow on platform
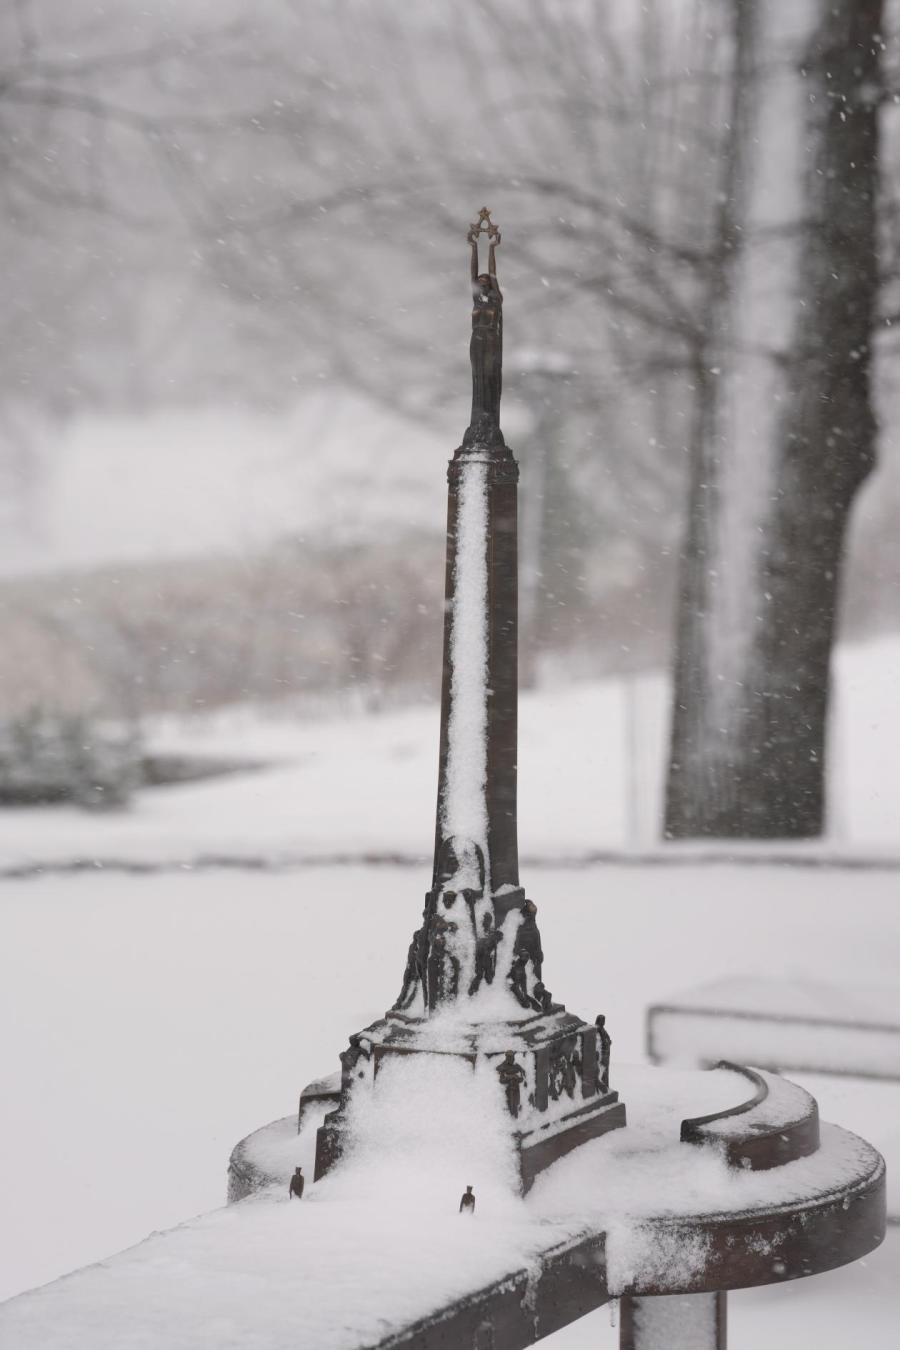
[
  {"x": 839, "y": 1040},
  {"x": 156, "y": 1020},
  {"x": 636, "y": 1173},
  {"x": 272, "y": 1274},
  {"x": 379, "y": 1243}
]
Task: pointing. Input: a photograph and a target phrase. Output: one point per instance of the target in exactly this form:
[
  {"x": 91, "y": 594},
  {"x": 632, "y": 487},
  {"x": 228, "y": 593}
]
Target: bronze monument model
[
  {"x": 667, "y": 1214},
  {"x": 478, "y": 949},
  {"x": 790, "y": 1199},
  {"x": 486, "y": 347}
]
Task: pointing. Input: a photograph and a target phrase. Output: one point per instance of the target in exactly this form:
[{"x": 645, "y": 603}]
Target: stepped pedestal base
[
  {"x": 546, "y": 1144},
  {"x": 552, "y": 1067}
]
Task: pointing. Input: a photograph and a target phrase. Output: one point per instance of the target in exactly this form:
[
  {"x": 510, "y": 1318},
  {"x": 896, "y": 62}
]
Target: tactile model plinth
[{"x": 722, "y": 1180}]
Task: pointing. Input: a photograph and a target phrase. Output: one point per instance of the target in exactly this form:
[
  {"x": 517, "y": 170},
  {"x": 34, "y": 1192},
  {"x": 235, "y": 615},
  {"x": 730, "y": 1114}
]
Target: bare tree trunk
[
  {"x": 827, "y": 440},
  {"x": 758, "y": 604},
  {"x": 696, "y": 781}
]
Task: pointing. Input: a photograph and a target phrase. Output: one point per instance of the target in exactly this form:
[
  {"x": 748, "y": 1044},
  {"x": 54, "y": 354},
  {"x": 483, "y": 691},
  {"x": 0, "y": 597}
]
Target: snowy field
[
  {"x": 154, "y": 1020},
  {"x": 363, "y": 787}
]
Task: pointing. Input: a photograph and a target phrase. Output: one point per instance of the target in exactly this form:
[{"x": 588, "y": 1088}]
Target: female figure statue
[{"x": 486, "y": 347}]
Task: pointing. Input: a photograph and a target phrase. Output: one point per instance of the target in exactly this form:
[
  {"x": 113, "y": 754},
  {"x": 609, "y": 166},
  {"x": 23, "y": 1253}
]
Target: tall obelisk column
[
  {"x": 473, "y": 984},
  {"x": 478, "y": 749}
]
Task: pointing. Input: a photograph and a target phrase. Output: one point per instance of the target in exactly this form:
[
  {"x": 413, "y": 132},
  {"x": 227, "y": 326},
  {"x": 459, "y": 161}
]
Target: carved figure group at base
[
  {"x": 485, "y": 954},
  {"x": 414, "y": 974},
  {"x": 434, "y": 960},
  {"x": 527, "y": 964},
  {"x": 563, "y": 1075},
  {"x": 357, "y": 1050},
  {"x": 445, "y": 945}
]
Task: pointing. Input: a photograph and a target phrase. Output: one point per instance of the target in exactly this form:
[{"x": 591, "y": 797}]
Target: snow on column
[{"x": 464, "y": 806}]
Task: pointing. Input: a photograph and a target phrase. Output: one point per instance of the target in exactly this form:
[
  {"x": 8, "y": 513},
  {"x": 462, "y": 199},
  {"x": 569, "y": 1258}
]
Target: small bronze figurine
[
  {"x": 297, "y": 1184},
  {"x": 485, "y": 953},
  {"x": 442, "y": 969},
  {"x": 350, "y": 1059},
  {"x": 518, "y": 980},
  {"x": 568, "y": 1076},
  {"x": 467, "y": 1203},
  {"x": 527, "y": 952},
  {"x": 604, "y": 1048},
  {"x": 414, "y": 974},
  {"x": 528, "y": 938},
  {"x": 512, "y": 1076},
  {"x": 541, "y": 998}
]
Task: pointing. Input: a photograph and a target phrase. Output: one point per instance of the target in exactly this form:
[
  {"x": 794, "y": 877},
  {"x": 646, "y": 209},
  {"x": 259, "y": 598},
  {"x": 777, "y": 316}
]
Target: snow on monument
[{"x": 473, "y": 986}]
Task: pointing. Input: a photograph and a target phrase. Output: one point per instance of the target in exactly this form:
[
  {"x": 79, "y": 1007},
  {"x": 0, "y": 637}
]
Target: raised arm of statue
[
  {"x": 484, "y": 226},
  {"x": 473, "y": 240},
  {"x": 493, "y": 243}
]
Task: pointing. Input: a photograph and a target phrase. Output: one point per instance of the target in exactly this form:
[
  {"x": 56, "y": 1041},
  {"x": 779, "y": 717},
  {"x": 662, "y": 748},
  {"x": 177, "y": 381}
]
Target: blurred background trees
[{"x": 263, "y": 207}]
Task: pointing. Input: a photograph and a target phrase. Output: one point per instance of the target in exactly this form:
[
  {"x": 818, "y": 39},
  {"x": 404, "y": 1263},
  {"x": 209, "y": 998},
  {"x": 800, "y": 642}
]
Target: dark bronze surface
[
  {"x": 503, "y": 664},
  {"x": 484, "y": 442},
  {"x": 760, "y": 1143},
  {"x": 537, "y": 1152},
  {"x": 561, "y": 1286},
  {"x": 777, "y": 1243}
]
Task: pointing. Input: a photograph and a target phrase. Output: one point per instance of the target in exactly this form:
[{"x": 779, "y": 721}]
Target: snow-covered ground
[
  {"x": 345, "y": 786},
  {"x": 154, "y": 1020},
  {"x": 590, "y": 778}
]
